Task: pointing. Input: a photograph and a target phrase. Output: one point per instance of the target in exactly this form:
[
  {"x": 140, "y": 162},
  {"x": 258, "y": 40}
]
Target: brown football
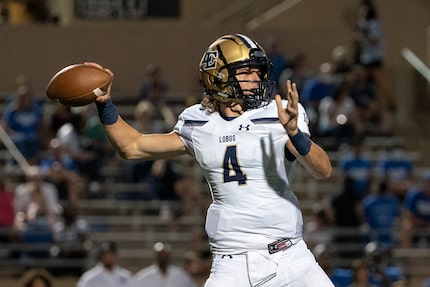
[{"x": 78, "y": 85}]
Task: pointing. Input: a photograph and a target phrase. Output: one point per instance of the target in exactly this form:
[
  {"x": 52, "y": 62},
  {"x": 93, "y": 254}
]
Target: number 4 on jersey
[{"x": 232, "y": 171}]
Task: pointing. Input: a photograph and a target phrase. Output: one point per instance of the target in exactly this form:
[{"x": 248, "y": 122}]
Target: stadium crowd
[{"x": 381, "y": 202}]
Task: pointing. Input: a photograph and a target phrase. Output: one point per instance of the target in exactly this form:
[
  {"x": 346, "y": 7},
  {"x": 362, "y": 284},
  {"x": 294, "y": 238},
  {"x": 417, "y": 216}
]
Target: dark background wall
[{"x": 314, "y": 27}]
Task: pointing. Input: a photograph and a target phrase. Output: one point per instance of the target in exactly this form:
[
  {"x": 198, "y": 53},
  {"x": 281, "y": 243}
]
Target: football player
[{"x": 247, "y": 143}]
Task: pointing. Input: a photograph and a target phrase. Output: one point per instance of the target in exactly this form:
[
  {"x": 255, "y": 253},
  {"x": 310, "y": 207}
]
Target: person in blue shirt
[
  {"x": 59, "y": 168},
  {"x": 417, "y": 213},
  {"x": 24, "y": 122},
  {"x": 397, "y": 168},
  {"x": 381, "y": 212},
  {"x": 358, "y": 166},
  {"x": 426, "y": 282},
  {"x": 315, "y": 88}
]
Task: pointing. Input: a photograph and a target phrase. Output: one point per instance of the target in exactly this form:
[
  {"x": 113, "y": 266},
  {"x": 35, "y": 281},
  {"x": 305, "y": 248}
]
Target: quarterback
[{"x": 247, "y": 143}]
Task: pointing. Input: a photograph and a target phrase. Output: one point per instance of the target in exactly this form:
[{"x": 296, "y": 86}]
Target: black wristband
[
  {"x": 107, "y": 112},
  {"x": 301, "y": 142}
]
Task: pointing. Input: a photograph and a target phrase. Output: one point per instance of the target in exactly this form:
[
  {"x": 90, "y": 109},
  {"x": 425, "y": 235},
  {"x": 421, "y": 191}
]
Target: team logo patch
[{"x": 209, "y": 60}]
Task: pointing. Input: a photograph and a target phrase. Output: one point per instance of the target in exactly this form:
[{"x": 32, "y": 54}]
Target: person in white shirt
[
  {"x": 247, "y": 145},
  {"x": 36, "y": 202},
  {"x": 162, "y": 273},
  {"x": 106, "y": 273}
]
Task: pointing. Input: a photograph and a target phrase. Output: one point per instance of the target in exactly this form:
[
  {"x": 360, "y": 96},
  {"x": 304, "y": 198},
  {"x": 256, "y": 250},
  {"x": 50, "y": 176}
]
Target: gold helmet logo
[{"x": 209, "y": 60}]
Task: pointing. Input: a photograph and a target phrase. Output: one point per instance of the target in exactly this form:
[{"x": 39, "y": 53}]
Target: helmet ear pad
[
  {"x": 218, "y": 82},
  {"x": 235, "y": 89},
  {"x": 227, "y": 85}
]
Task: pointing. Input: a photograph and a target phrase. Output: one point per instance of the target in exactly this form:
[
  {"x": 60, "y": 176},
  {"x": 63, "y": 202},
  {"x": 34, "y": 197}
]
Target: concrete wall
[{"x": 311, "y": 26}]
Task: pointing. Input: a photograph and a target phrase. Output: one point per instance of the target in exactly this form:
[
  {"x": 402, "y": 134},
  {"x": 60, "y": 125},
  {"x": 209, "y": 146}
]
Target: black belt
[{"x": 279, "y": 245}]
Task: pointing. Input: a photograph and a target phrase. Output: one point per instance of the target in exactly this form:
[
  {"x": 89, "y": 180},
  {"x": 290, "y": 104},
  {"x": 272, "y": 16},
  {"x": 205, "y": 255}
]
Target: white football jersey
[{"x": 244, "y": 163}]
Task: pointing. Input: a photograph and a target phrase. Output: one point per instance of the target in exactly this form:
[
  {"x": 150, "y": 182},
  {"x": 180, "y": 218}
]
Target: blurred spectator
[
  {"x": 185, "y": 190},
  {"x": 277, "y": 57},
  {"x": 162, "y": 272},
  {"x": 4, "y": 13},
  {"x": 378, "y": 120},
  {"x": 361, "y": 274},
  {"x": 160, "y": 175},
  {"x": 139, "y": 171},
  {"x": 397, "y": 168},
  {"x": 338, "y": 117},
  {"x": 144, "y": 118},
  {"x": 7, "y": 212},
  {"x": 68, "y": 138},
  {"x": 36, "y": 202},
  {"x": 316, "y": 88},
  {"x": 71, "y": 238},
  {"x": 416, "y": 219},
  {"x": 164, "y": 177},
  {"x": 160, "y": 178},
  {"x": 24, "y": 122},
  {"x": 107, "y": 272},
  {"x": 356, "y": 164},
  {"x": 370, "y": 47},
  {"x": 346, "y": 205},
  {"x": 298, "y": 72},
  {"x": 96, "y": 146},
  {"x": 381, "y": 212},
  {"x": 381, "y": 272},
  {"x": 363, "y": 92},
  {"x": 340, "y": 59},
  {"x": 154, "y": 89},
  {"x": 57, "y": 152},
  {"x": 37, "y": 210},
  {"x": 319, "y": 86},
  {"x": 426, "y": 282},
  {"x": 68, "y": 126},
  {"x": 92, "y": 130},
  {"x": 320, "y": 228},
  {"x": 62, "y": 115},
  {"x": 37, "y": 277},
  {"x": 327, "y": 257},
  {"x": 59, "y": 168},
  {"x": 346, "y": 211},
  {"x": 369, "y": 36},
  {"x": 193, "y": 265}
]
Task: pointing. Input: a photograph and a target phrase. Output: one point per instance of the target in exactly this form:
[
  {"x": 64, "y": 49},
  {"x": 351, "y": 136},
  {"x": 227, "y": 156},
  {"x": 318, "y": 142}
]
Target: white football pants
[{"x": 292, "y": 267}]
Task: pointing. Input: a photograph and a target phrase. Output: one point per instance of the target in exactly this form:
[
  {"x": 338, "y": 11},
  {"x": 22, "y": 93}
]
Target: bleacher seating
[{"x": 123, "y": 214}]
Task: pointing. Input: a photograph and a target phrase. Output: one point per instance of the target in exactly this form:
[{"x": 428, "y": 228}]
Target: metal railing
[{"x": 416, "y": 63}]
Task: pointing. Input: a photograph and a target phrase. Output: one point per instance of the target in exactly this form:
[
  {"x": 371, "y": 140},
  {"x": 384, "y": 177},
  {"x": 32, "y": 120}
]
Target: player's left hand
[{"x": 288, "y": 115}]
